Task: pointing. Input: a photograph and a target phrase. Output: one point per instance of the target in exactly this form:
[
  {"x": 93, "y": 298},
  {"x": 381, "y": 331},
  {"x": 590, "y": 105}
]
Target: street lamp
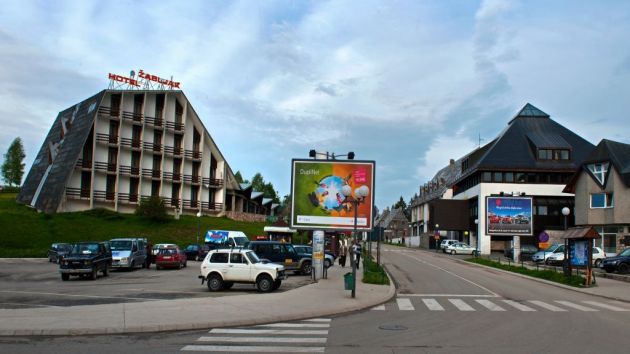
[
  {"x": 565, "y": 211},
  {"x": 359, "y": 196},
  {"x": 436, "y": 237},
  {"x": 477, "y": 232},
  {"x": 198, "y": 225}
]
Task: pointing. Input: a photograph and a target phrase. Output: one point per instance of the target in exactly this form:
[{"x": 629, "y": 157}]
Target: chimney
[{"x": 452, "y": 162}]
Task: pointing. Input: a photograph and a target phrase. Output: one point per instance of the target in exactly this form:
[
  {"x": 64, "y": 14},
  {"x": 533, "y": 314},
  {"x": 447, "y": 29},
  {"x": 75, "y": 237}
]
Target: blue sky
[{"x": 409, "y": 84}]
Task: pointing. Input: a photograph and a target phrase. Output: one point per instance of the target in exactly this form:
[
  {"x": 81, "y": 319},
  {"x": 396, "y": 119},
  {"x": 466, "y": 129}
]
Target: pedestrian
[
  {"x": 343, "y": 251},
  {"x": 357, "y": 253}
]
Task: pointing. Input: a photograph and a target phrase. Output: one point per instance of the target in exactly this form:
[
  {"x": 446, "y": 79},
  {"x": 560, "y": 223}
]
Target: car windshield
[
  {"x": 85, "y": 248},
  {"x": 120, "y": 245},
  {"x": 240, "y": 241},
  {"x": 253, "y": 258},
  {"x": 625, "y": 252},
  {"x": 551, "y": 248}
]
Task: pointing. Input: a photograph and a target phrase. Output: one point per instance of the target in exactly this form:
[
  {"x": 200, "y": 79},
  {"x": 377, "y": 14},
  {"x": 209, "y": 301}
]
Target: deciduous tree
[{"x": 13, "y": 166}]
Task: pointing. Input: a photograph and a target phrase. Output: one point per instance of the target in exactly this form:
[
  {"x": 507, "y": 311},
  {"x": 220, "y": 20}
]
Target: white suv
[{"x": 223, "y": 267}]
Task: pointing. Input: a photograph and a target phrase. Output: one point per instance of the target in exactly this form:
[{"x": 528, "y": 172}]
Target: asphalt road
[{"x": 37, "y": 283}]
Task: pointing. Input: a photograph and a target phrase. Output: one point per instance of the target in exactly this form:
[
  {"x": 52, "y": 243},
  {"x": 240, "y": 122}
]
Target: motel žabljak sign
[{"x": 509, "y": 216}]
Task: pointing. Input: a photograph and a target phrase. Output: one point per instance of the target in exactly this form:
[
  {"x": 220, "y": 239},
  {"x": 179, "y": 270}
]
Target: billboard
[
  {"x": 317, "y": 200},
  {"x": 509, "y": 216}
]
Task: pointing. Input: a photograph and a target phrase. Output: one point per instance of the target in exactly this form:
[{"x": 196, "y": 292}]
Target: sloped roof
[
  {"x": 381, "y": 218},
  {"x": 515, "y": 147},
  {"x": 607, "y": 150},
  {"x": 438, "y": 185},
  {"x": 394, "y": 215}
]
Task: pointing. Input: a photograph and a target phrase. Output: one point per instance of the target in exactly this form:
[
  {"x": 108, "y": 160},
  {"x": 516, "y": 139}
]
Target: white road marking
[
  {"x": 576, "y": 306},
  {"x": 519, "y": 306},
  {"x": 405, "y": 305},
  {"x": 606, "y": 306},
  {"x": 318, "y": 320},
  {"x": 547, "y": 306},
  {"x": 378, "y": 308},
  {"x": 296, "y": 325},
  {"x": 461, "y": 305},
  {"x": 444, "y": 295},
  {"x": 433, "y": 305},
  {"x": 268, "y": 331},
  {"x": 257, "y": 349},
  {"x": 490, "y": 305},
  {"x": 263, "y": 339}
]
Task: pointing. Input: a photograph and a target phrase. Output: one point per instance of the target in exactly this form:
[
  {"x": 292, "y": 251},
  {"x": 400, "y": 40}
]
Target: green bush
[
  {"x": 373, "y": 273},
  {"x": 572, "y": 280},
  {"x": 152, "y": 208}
]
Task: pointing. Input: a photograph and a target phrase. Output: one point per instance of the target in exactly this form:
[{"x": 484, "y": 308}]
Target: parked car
[
  {"x": 598, "y": 256},
  {"x": 224, "y": 267},
  {"x": 196, "y": 252},
  {"x": 541, "y": 256},
  {"x": 282, "y": 253},
  {"x": 619, "y": 263},
  {"x": 329, "y": 258},
  {"x": 460, "y": 248},
  {"x": 155, "y": 249},
  {"x": 57, "y": 251},
  {"x": 557, "y": 258},
  {"x": 447, "y": 242},
  {"x": 129, "y": 253},
  {"x": 527, "y": 252},
  {"x": 170, "y": 257},
  {"x": 86, "y": 259}
]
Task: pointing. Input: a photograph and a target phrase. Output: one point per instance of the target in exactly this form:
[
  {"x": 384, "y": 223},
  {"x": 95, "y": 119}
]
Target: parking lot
[{"x": 37, "y": 283}]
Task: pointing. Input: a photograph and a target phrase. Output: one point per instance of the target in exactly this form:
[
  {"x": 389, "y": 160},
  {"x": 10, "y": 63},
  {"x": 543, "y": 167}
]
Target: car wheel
[
  {"x": 264, "y": 283},
  {"x": 623, "y": 268},
  {"x": 131, "y": 266},
  {"x": 453, "y": 252},
  {"x": 185, "y": 263},
  {"x": 105, "y": 271},
  {"x": 65, "y": 277},
  {"x": 93, "y": 275},
  {"x": 327, "y": 263},
  {"x": 197, "y": 258},
  {"x": 547, "y": 261},
  {"x": 228, "y": 285},
  {"x": 215, "y": 283},
  {"x": 598, "y": 262},
  {"x": 306, "y": 268},
  {"x": 157, "y": 267},
  {"x": 276, "y": 284},
  {"x": 179, "y": 265}
]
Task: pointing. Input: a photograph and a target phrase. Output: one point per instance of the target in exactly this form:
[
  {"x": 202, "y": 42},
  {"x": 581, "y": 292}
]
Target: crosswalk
[
  {"x": 496, "y": 305},
  {"x": 307, "y": 336}
]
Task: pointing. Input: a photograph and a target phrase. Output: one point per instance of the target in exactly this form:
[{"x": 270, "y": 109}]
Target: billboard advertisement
[
  {"x": 578, "y": 252},
  {"x": 509, "y": 216},
  {"x": 317, "y": 199}
]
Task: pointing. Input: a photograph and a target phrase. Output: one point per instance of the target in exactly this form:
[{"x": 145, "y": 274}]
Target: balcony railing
[
  {"x": 211, "y": 206},
  {"x": 213, "y": 182},
  {"x": 177, "y": 127},
  {"x": 176, "y": 151},
  {"x": 105, "y": 166},
  {"x": 149, "y": 172},
  {"x": 195, "y": 155},
  {"x": 173, "y": 176},
  {"x": 131, "y": 143},
  {"x": 129, "y": 170},
  {"x": 128, "y": 198},
  {"x": 78, "y": 193},
  {"x": 152, "y": 146},
  {"x": 190, "y": 204},
  {"x": 172, "y": 202},
  {"x": 155, "y": 122},
  {"x": 104, "y": 196},
  {"x": 192, "y": 179},
  {"x": 107, "y": 111},
  {"x": 84, "y": 163},
  {"x": 135, "y": 118},
  {"x": 106, "y": 138}
]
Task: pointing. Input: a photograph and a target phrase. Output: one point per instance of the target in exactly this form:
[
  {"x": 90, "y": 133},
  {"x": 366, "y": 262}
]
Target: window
[
  {"x": 219, "y": 258},
  {"x": 555, "y": 154},
  {"x": 602, "y": 200},
  {"x": 486, "y": 177},
  {"x": 520, "y": 177},
  {"x": 498, "y": 177},
  {"x": 544, "y": 154},
  {"x": 509, "y": 177},
  {"x": 236, "y": 258},
  {"x": 542, "y": 209},
  {"x": 599, "y": 171}
]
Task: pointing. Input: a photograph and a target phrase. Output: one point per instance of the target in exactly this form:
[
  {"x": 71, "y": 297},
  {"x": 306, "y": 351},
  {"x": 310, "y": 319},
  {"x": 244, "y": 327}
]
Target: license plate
[{"x": 166, "y": 257}]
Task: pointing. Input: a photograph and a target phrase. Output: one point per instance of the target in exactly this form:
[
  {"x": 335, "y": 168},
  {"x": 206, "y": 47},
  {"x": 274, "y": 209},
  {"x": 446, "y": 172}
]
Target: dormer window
[
  {"x": 553, "y": 154},
  {"x": 599, "y": 171}
]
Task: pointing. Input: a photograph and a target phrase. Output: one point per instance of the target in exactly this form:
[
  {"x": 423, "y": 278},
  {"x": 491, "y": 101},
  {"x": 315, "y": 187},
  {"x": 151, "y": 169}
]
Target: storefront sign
[
  {"x": 509, "y": 216},
  {"x": 143, "y": 81}
]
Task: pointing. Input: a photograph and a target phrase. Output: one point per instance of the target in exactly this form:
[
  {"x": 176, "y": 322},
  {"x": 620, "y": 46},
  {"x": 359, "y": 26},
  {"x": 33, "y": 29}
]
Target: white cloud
[{"x": 440, "y": 152}]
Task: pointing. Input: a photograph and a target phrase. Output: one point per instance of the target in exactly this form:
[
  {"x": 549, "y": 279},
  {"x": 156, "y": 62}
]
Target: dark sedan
[
  {"x": 619, "y": 263},
  {"x": 527, "y": 251},
  {"x": 196, "y": 252}
]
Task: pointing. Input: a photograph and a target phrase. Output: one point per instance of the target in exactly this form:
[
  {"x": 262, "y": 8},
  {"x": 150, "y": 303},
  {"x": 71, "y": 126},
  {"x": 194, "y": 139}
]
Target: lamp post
[
  {"x": 359, "y": 196},
  {"x": 478, "y": 238},
  {"x": 198, "y": 225},
  {"x": 565, "y": 211},
  {"x": 437, "y": 237}
]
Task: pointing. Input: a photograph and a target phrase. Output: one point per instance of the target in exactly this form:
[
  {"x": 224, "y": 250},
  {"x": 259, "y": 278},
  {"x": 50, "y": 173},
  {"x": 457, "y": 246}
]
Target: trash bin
[{"x": 348, "y": 281}]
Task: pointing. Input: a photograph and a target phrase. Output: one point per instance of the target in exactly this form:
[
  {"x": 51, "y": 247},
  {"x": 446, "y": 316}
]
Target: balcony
[
  {"x": 175, "y": 151},
  {"x": 194, "y": 179},
  {"x": 174, "y": 176},
  {"x": 151, "y": 173},
  {"x": 194, "y": 155},
  {"x": 108, "y": 113},
  {"x": 84, "y": 164},
  {"x": 211, "y": 206},
  {"x": 135, "y": 118},
  {"x": 176, "y": 127},
  {"x": 134, "y": 144},
  {"x": 157, "y": 123},
  {"x": 105, "y": 167},
  {"x": 78, "y": 193},
  {"x": 190, "y": 204},
  {"x": 213, "y": 182},
  {"x": 129, "y": 170},
  {"x": 128, "y": 198},
  {"x": 104, "y": 196},
  {"x": 155, "y": 147},
  {"x": 107, "y": 138},
  {"x": 172, "y": 202}
]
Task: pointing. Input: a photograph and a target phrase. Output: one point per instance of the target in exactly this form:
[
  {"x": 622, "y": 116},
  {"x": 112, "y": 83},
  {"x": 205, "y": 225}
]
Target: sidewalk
[{"x": 327, "y": 297}]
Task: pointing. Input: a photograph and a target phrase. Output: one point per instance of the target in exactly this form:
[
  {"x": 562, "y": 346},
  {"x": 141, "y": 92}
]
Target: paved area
[{"x": 326, "y": 297}]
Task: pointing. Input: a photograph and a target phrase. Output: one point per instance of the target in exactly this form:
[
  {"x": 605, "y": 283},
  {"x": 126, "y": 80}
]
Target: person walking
[
  {"x": 343, "y": 251},
  {"x": 357, "y": 252}
]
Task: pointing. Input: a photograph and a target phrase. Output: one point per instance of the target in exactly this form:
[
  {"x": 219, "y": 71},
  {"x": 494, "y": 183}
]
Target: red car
[{"x": 170, "y": 257}]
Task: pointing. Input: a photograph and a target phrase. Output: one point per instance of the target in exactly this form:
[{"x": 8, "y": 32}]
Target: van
[
  {"x": 226, "y": 238},
  {"x": 129, "y": 253}
]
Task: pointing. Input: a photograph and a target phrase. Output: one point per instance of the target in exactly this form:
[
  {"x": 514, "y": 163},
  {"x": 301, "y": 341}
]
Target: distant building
[
  {"x": 120, "y": 146},
  {"x": 394, "y": 223},
  {"x": 602, "y": 194}
]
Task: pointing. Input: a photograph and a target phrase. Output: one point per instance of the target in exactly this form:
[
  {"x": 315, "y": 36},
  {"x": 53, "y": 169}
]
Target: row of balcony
[
  {"x": 139, "y": 119},
  {"x": 137, "y": 144},
  {"x": 127, "y": 198}
]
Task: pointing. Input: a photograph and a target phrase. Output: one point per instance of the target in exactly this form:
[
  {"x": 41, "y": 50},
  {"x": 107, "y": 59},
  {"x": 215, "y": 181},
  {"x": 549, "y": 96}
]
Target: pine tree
[{"x": 13, "y": 166}]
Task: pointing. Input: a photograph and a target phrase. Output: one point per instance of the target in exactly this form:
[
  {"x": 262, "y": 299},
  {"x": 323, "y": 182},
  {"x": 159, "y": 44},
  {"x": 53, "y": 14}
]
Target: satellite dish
[{"x": 132, "y": 73}]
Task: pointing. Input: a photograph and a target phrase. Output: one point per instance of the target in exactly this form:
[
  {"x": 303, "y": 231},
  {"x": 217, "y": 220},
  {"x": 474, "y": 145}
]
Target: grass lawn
[{"x": 26, "y": 233}]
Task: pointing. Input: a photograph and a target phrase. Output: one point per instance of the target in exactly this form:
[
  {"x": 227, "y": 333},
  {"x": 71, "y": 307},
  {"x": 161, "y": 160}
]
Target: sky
[{"x": 408, "y": 84}]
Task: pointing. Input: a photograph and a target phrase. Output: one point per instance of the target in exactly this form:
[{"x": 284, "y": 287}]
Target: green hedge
[
  {"x": 373, "y": 273},
  {"x": 572, "y": 280}
]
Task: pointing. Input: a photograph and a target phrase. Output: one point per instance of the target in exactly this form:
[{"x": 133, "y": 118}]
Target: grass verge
[
  {"x": 572, "y": 280},
  {"x": 373, "y": 273}
]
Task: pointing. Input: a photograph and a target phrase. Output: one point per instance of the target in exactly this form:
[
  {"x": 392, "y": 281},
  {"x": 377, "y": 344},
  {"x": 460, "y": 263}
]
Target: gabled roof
[
  {"x": 381, "y": 218},
  {"x": 438, "y": 185},
  {"x": 618, "y": 154},
  {"x": 395, "y": 215},
  {"x": 515, "y": 147}
]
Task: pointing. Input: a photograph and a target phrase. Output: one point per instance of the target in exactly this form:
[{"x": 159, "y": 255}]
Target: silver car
[{"x": 543, "y": 256}]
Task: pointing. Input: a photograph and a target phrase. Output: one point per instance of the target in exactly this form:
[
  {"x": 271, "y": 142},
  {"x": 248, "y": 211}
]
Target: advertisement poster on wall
[
  {"x": 509, "y": 216},
  {"x": 317, "y": 199},
  {"x": 578, "y": 253}
]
